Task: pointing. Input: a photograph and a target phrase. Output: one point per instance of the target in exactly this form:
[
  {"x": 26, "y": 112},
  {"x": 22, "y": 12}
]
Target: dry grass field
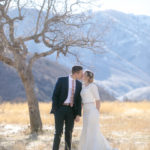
[{"x": 125, "y": 125}]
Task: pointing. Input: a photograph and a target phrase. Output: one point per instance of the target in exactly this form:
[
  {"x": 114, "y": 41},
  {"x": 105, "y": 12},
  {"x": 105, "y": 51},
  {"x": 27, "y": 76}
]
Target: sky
[{"x": 138, "y": 7}]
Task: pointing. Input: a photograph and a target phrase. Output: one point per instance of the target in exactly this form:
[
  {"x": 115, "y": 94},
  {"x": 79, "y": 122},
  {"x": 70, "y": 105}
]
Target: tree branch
[
  {"x": 38, "y": 19},
  {"x": 6, "y": 60},
  {"x": 39, "y": 55}
]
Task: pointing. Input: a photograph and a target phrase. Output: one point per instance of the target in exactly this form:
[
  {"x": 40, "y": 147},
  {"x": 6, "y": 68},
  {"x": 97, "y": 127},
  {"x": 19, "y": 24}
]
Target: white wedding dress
[{"x": 91, "y": 137}]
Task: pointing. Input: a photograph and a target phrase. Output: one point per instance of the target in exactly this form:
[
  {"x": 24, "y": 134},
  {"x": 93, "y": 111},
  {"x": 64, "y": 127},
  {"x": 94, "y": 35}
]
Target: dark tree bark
[{"x": 33, "y": 106}]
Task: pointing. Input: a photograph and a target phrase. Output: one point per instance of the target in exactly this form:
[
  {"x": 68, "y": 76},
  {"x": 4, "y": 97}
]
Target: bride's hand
[{"x": 77, "y": 119}]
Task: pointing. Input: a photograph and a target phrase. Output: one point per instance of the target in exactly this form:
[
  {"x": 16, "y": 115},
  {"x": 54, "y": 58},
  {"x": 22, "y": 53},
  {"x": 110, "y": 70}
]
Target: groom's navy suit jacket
[{"x": 60, "y": 94}]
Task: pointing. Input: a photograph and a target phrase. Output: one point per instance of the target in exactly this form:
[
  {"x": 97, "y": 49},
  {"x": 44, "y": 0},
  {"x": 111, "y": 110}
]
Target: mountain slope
[
  {"x": 45, "y": 73},
  {"x": 125, "y": 65},
  {"x": 137, "y": 95}
]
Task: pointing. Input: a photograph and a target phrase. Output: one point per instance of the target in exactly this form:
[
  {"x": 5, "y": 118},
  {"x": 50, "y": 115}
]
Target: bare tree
[{"x": 57, "y": 26}]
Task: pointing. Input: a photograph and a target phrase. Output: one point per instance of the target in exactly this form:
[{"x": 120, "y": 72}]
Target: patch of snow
[{"x": 6, "y": 129}]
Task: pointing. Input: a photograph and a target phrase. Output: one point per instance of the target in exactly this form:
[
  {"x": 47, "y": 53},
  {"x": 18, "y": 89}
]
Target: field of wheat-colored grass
[{"x": 125, "y": 124}]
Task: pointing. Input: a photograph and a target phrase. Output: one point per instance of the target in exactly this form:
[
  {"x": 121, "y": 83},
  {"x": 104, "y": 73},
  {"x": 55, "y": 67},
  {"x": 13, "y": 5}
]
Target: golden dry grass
[
  {"x": 125, "y": 125},
  {"x": 18, "y": 112}
]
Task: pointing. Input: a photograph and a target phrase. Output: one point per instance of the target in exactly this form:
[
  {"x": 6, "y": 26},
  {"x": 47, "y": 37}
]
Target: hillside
[
  {"x": 45, "y": 73},
  {"x": 124, "y": 67}
]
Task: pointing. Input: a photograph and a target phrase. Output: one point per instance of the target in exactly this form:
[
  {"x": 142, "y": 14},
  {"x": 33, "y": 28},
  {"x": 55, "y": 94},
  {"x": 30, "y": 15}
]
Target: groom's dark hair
[{"x": 76, "y": 69}]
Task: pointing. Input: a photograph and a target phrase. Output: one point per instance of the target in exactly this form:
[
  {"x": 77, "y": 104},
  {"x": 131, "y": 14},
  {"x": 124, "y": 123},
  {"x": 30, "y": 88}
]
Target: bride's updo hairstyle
[{"x": 90, "y": 75}]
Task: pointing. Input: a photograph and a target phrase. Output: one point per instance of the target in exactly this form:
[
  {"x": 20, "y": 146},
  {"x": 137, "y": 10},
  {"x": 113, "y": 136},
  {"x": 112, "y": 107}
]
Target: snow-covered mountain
[
  {"x": 137, "y": 95},
  {"x": 125, "y": 65},
  {"x": 128, "y": 40}
]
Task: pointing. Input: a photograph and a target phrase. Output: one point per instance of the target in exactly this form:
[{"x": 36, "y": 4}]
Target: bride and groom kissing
[{"x": 69, "y": 97}]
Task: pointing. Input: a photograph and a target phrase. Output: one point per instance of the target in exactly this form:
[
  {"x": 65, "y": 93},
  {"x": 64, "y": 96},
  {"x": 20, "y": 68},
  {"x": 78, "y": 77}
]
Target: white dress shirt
[{"x": 68, "y": 100}]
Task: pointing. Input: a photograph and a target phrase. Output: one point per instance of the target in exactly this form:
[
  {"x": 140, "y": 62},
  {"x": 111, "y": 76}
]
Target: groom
[{"x": 66, "y": 105}]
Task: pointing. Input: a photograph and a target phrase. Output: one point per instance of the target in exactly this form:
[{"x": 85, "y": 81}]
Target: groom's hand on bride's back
[{"x": 77, "y": 119}]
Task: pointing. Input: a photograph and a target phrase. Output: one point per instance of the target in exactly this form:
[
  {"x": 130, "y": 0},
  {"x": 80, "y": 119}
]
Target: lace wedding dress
[{"x": 91, "y": 137}]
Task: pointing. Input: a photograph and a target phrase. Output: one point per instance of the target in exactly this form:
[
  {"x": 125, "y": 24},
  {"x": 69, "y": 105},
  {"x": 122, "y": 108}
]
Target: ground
[{"x": 126, "y": 125}]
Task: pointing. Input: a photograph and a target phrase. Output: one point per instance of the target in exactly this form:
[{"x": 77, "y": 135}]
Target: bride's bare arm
[
  {"x": 96, "y": 96},
  {"x": 98, "y": 104}
]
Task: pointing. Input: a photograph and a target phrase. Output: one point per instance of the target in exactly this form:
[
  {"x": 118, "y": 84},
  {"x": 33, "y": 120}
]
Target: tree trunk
[{"x": 34, "y": 114}]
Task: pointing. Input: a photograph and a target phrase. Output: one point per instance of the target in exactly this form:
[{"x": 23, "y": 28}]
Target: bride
[{"x": 91, "y": 137}]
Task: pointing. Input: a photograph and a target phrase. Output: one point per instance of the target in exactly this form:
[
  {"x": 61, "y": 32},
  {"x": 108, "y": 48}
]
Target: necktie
[{"x": 72, "y": 94}]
